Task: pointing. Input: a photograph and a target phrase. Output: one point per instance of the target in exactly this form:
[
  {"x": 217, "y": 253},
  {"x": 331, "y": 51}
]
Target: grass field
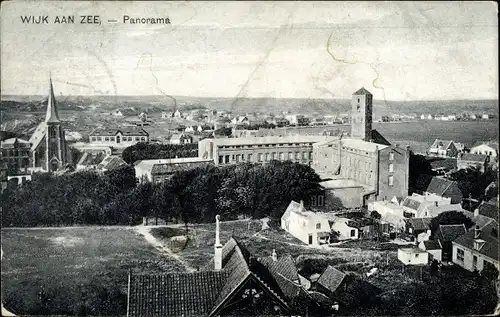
[{"x": 65, "y": 259}]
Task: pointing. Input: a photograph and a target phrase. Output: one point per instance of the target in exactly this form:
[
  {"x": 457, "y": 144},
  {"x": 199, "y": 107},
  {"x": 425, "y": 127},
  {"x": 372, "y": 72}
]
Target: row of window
[
  {"x": 117, "y": 139},
  {"x": 317, "y": 201},
  {"x": 261, "y": 157},
  {"x": 263, "y": 145},
  {"x": 8, "y": 153}
]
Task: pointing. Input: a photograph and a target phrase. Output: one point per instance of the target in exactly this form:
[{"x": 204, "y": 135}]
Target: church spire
[{"x": 52, "y": 116}]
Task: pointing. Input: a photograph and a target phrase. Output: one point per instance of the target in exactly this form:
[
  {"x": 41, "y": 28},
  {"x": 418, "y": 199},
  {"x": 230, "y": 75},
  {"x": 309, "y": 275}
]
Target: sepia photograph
[{"x": 249, "y": 158}]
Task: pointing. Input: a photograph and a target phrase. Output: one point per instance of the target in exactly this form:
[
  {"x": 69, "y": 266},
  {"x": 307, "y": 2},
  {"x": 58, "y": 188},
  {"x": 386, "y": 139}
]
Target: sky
[{"x": 397, "y": 50}]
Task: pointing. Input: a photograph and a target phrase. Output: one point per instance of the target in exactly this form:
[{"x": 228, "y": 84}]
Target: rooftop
[
  {"x": 362, "y": 145},
  {"x": 362, "y": 91},
  {"x": 270, "y": 140},
  {"x": 480, "y": 158},
  {"x": 489, "y": 234},
  {"x": 331, "y": 278}
]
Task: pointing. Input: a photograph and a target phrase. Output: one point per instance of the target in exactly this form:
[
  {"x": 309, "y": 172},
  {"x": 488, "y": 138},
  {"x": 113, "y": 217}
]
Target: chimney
[
  {"x": 275, "y": 256},
  {"x": 436, "y": 203},
  {"x": 476, "y": 212},
  {"x": 217, "y": 246},
  {"x": 302, "y": 203},
  {"x": 477, "y": 232}
]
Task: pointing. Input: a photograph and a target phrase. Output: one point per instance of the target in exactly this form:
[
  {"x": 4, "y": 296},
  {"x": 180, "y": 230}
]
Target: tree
[
  {"x": 490, "y": 272},
  {"x": 450, "y": 218},
  {"x": 375, "y": 215}
]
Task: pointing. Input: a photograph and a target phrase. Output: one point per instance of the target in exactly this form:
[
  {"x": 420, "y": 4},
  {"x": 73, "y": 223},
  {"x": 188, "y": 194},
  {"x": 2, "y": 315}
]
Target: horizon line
[{"x": 216, "y": 97}]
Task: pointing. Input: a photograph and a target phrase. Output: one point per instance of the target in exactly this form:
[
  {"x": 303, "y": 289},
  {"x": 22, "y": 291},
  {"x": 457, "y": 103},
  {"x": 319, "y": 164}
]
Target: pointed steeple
[{"x": 52, "y": 115}]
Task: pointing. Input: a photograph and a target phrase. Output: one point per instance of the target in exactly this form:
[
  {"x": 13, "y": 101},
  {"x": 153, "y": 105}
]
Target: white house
[
  {"x": 433, "y": 247},
  {"x": 306, "y": 226},
  {"x": 341, "y": 225},
  {"x": 424, "y": 206},
  {"x": 389, "y": 211},
  {"x": 121, "y": 137},
  {"x": 117, "y": 113},
  {"x": 477, "y": 248},
  {"x": 485, "y": 148},
  {"x": 413, "y": 256}
]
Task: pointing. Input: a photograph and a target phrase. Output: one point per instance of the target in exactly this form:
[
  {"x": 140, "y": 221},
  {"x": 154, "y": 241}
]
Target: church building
[{"x": 48, "y": 146}]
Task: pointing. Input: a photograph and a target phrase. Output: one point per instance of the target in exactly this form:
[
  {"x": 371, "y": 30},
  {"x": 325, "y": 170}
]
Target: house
[
  {"x": 117, "y": 113},
  {"x": 421, "y": 206},
  {"x": 477, "y": 248},
  {"x": 346, "y": 230},
  {"x": 181, "y": 139},
  {"x": 433, "y": 247},
  {"x": 390, "y": 212},
  {"x": 413, "y": 256},
  {"x": 445, "y": 188},
  {"x": 90, "y": 160},
  {"x": 160, "y": 170},
  {"x": 442, "y": 166},
  {"x": 280, "y": 122},
  {"x": 307, "y": 226},
  {"x": 235, "y": 283},
  {"x": 240, "y": 120},
  {"x": 120, "y": 137},
  {"x": 446, "y": 235},
  {"x": 419, "y": 228},
  {"x": 443, "y": 148},
  {"x": 467, "y": 160},
  {"x": 16, "y": 153},
  {"x": 111, "y": 162},
  {"x": 177, "y": 114},
  {"x": 486, "y": 148}
]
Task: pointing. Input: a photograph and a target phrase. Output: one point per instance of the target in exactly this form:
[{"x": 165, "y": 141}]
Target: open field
[{"x": 67, "y": 258}]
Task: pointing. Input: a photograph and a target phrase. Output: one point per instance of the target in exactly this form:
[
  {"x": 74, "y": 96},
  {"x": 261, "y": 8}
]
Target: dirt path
[{"x": 145, "y": 232}]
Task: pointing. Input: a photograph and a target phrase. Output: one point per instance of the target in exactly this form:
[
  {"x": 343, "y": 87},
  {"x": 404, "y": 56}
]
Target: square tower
[{"x": 361, "y": 115}]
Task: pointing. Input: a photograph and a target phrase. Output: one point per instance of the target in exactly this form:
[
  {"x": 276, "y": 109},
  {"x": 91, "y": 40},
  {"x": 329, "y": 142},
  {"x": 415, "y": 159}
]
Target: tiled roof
[
  {"x": 439, "y": 185},
  {"x": 411, "y": 203},
  {"x": 91, "y": 158},
  {"x": 38, "y": 135},
  {"x": 111, "y": 162},
  {"x": 331, "y": 278},
  {"x": 448, "y": 233},
  {"x": 419, "y": 223},
  {"x": 432, "y": 245},
  {"x": 489, "y": 234},
  {"x": 132, "y": 131},
  {"x": 489, "y": 209},
  {"x": 175, "y": 294},
  {"x": 446, "y": 163},
  {"x": 158, "y": 169},
  {"x": 271, "y": 140},
  {"x": 479, "y": 220},
  {"x": 362, "y": 91},
  {"x": 480, "y": 158},
  {"x": 284, "y": 266}
]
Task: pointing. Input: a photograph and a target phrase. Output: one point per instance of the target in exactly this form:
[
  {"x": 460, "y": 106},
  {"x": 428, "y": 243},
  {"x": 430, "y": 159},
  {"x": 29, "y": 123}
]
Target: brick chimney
[
  {"x": 217, "y": 246},
  {"x": 476, "y": 212},
  {"x": 275, "y": 256}
]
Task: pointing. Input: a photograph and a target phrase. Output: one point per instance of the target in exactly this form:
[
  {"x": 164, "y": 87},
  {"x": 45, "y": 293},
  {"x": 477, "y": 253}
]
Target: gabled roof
[
  {"x": 52, "y": 115},
  {"x": 111, "y": 162},
  {"x": 362, "y": 91},
  {"x": 492, "y": 144},
  {"x": 419, "y": 223},
  {"x": 439, "y": 185},
  {"x": 175, "y": 294},
  {"x": 293, "y": 207},
  {"x": 489, "y": 209},
  {"x": 489, "y": 234},
  {"x": 331, "y": 278},
  {"x": 445, "y": 144},
  {"x": 448, "y": 233}
]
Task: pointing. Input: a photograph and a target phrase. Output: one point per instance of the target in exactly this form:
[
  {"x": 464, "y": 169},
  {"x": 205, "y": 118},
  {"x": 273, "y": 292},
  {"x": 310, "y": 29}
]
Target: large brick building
[{"x": 364, "y": 167}]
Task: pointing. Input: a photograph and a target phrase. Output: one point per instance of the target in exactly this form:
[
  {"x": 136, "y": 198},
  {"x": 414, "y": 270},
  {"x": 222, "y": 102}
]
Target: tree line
[
  {"x": 145, "y": 151},
  {"x": 192, "y": 196}
]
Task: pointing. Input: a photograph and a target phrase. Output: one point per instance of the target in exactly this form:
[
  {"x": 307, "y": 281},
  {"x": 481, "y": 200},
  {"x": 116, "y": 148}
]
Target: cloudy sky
[{"x": 398, "y": 51}]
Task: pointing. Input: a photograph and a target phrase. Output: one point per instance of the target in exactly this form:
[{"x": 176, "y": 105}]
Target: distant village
[{"x": 365, "y": 181}]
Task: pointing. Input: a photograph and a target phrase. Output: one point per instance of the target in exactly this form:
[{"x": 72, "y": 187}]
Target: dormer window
[{"x": 478, "y": 244}]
